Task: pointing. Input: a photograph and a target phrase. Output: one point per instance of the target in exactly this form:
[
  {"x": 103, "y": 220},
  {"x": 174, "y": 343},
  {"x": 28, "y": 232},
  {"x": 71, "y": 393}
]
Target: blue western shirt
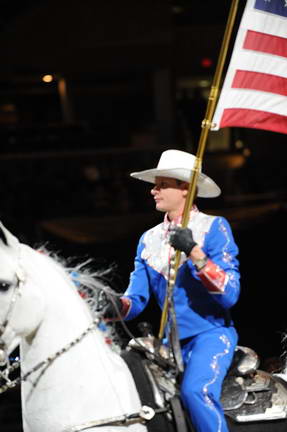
[{"x": 198, "y": 306}]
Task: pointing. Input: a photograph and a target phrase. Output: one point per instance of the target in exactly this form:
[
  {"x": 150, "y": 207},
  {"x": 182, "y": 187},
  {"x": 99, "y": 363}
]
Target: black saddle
[
  {"x": 157, "y": 390},
  {"x": 249, "y": 395}
]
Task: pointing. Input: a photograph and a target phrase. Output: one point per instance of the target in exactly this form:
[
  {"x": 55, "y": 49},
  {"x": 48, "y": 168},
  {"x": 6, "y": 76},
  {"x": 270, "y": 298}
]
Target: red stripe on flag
[
  {"x": 249, "y": 118},
  {"x": 266, "y": 43},
  {"x": 260, "y": 81}
]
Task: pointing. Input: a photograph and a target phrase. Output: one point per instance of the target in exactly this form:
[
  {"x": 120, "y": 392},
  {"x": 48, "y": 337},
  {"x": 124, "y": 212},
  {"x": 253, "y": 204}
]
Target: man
[{"x": 206, "y": 287}]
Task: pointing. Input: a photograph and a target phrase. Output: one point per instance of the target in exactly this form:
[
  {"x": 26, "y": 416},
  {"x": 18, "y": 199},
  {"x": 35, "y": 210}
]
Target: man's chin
[{"x": 159, "y": 208}]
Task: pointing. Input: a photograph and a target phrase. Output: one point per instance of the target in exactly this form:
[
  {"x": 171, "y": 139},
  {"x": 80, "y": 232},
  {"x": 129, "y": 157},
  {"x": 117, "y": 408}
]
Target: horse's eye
[{"x": 4, "y": 286}]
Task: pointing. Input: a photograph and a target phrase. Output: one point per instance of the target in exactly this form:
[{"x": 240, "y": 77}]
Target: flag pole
[{"x": 205, "y": 125}]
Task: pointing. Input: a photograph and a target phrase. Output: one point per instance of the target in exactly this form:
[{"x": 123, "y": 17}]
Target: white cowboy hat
[{"x": 179, "y": 164}]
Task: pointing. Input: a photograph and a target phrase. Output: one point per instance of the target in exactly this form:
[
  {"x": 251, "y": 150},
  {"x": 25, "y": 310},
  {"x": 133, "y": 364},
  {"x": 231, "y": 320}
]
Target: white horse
[{"x": 70, "y": 377}]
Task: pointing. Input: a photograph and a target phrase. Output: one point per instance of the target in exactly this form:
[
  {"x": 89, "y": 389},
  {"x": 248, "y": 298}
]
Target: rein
[
  {"x": 44, "y": 363},
  {"x": 145, "y": 413}
]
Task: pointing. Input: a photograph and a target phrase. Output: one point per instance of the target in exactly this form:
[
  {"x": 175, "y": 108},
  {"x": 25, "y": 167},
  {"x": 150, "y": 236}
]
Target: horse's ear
[
  {"x": 7, "y": 238},
  {"x": 3, "y": 237}
]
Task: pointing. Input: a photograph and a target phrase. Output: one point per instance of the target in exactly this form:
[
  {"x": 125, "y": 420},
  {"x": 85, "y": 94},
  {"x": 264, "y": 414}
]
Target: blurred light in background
[
  {"x": 206, "y": 62},
  {"x": 47, "y": 78}
]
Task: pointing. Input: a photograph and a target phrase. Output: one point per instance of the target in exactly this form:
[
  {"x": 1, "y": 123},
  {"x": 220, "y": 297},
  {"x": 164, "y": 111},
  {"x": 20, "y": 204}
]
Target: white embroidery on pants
[{"x": 214, "y": 365}]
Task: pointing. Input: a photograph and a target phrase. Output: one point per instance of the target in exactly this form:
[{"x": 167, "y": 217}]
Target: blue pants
[{"x": 207, "y": 357}]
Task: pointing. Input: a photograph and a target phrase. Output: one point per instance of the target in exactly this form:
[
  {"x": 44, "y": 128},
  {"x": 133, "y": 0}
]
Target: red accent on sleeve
[
  {"x": 126, "y": 305},
  {"x": 213, "y": 277}
]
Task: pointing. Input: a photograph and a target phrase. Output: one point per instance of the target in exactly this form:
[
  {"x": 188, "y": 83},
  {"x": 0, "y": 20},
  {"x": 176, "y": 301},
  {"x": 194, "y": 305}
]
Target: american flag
[{"x": 254, "y": 93}]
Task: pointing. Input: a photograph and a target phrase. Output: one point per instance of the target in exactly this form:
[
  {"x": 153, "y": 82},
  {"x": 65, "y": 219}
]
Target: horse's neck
[{"x": 86, "y": 382}]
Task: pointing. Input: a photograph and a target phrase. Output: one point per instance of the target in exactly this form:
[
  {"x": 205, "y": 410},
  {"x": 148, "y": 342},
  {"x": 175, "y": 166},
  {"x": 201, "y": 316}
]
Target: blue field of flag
[{"x": 277, "y": 7}]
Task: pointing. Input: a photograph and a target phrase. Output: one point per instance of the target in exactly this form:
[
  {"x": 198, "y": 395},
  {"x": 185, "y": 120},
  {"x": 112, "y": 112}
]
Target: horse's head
[{"x": 15, "y": 316}]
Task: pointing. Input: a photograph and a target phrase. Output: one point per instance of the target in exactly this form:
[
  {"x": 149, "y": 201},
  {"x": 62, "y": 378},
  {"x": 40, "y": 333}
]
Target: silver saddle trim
[
  {"x": 249, "y": 362},
  {"x": 148, "y": 343},
  {"x": 267, "y": 402}
]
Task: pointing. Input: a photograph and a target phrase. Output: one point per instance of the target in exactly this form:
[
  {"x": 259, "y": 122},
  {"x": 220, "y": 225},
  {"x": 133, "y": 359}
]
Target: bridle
[
  {"x": 145, "y": 413},
  {"x": 5, "y": 327},
  {"x": 17, "y": 288}
]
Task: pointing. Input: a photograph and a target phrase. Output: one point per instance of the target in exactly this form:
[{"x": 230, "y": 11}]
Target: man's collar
[{"x": 168, "y": 224}]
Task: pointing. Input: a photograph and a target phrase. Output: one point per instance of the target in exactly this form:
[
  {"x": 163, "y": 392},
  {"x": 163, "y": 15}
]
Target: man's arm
[
  {"x": 215, "y": 263},
  {"x": 138, "y": 291}
]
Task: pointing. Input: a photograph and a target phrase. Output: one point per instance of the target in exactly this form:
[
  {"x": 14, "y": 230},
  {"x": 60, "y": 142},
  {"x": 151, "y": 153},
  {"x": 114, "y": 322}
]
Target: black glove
[
  {"x": 113, "y": 308},
  {"x": 182, "y": 239}
]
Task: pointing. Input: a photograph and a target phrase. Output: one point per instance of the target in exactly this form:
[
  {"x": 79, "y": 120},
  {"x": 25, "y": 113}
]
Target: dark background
[{"x": 131, "y": 79}]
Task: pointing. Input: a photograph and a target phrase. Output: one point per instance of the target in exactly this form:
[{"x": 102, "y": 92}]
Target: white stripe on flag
[
  {"x": 260, "y": 62},
  {"x": 261, "y": 22},
  {"x": 250, "y": 99}
]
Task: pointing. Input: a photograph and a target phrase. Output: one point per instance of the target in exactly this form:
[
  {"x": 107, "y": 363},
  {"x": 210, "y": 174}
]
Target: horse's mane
[{"x": 94, "y": 286}]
